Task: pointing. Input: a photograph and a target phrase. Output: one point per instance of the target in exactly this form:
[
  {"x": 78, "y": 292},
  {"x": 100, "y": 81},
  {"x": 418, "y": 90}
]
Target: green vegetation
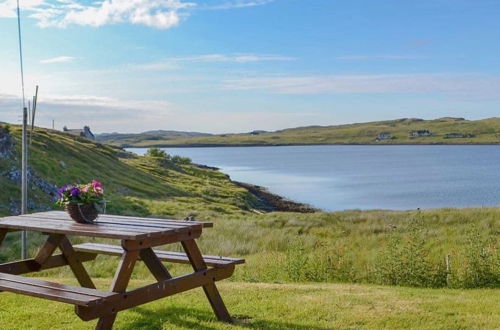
[
  {"x": 444, "y": 131},
  {"x": 280, "y": 306},
  {"x": 403, "y": 248}
]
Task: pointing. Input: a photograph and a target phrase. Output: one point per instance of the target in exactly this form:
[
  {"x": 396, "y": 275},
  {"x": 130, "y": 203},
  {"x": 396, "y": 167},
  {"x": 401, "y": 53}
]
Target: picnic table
[{"x": 138, "y": 237}]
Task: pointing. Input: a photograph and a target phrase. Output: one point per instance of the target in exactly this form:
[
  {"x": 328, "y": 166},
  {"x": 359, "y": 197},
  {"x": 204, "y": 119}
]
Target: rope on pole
[
  {"x": 20, "y": 51},
  {"x": 24, "y": 166}
]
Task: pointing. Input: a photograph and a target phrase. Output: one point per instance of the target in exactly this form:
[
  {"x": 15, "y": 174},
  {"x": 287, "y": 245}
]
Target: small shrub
[
  {"x": 157, "y": 153},
  {"x": 405, "y": 261},
  {"x": 480, "y": 263},
  {"x": 181, "y": 160},
  {"x": 296, "y": 261}
]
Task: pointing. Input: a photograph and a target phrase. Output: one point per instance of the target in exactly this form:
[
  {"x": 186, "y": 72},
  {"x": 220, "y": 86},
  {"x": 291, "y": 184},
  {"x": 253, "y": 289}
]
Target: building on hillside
[
  {"x": 420, "y": 133},
  {"x": 85, "y": 132},
  {"x": 458, "y": 136},
  {"x": 384, "y": 136},
  {"x": 257, "y": 132}
]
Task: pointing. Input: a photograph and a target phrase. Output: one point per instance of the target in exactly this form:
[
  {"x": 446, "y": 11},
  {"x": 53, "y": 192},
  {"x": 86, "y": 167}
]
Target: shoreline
[
  {"x": 271, "y": 202},
  {"x": 304, "y": 145}
]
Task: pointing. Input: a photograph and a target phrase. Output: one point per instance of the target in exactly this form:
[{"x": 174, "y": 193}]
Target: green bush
[
  {"x": 479, "y": 263},
  {"x": 181, "y": 160},
  {"x": 157, "y": 153},
  {"x": 406, "y": 261}
]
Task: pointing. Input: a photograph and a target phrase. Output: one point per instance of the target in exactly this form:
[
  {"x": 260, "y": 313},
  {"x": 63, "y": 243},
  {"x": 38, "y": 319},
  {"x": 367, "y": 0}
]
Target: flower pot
[{"x": 85, "y": 213}]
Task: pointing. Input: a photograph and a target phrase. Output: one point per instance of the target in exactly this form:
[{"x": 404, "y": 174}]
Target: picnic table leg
[
  {"x": 155, "y": 266},
  {"x": 75, "y": 264},
  {"x": 3, "y": 233},
  {"x": 48, "y": 248},
  {"x": 120, "y": 282},
  {"x": 211, "y": 291}
]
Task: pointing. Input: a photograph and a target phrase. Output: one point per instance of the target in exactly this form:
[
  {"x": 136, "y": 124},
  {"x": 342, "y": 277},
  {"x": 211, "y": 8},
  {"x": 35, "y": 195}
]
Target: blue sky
[{"x": 238, "y": 65}]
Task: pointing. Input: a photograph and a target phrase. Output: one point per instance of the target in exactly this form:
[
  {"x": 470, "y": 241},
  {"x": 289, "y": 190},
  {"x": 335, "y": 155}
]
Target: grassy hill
[
  {"x": 485, "y": 131},
  {"x": 130, "y": 138}
]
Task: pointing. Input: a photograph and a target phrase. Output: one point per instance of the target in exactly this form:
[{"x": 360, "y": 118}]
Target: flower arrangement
[{"x": 82, "y": 201}]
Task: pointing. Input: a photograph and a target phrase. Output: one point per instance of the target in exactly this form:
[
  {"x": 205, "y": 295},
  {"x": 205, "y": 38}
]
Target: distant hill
[
  {"x": 129, "y": 139},
  {"x": 445, "y": 130}
]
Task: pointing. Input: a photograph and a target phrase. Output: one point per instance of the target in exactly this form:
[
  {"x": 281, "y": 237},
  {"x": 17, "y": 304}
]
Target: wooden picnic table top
[{"x": 107, "y": 226}]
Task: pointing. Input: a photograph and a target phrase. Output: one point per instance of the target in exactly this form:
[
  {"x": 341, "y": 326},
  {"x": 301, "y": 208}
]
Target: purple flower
[
  {"x": 61, "y": 190},
  {"x": 75, "y": 191}
]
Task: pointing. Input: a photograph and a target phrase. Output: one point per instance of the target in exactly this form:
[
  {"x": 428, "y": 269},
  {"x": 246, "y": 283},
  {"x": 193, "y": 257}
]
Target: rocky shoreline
[{"x": 270, "y": 202}]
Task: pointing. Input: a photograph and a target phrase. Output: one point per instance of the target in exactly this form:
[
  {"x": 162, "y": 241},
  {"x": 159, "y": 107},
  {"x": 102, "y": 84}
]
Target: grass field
[
  {"x": 280, "y": 306},
  {"x": 485, "y": 131}
]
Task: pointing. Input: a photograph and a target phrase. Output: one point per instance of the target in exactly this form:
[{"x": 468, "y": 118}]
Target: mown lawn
[{"x": 280, "y": 306}]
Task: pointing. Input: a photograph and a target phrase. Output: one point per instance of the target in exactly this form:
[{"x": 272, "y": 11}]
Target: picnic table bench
[{"x": 138, "y": 237}]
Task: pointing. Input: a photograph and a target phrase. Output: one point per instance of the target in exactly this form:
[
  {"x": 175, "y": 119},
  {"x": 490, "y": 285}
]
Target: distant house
[
  {"x": 420, "y": 133},
  {"x": 384, "y": 136},
  {"x": 257, "y": 132},
  {"x": 85, "y": 132},
  {"x": 458, "y": 136}
]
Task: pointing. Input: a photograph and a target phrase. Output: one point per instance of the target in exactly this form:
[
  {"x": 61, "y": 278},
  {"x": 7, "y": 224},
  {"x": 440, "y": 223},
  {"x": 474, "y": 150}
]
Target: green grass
[
  {"x": 280, "y": 306},
  {"x": 133, "y": 185},
  {"x": 486, "y": 131}
]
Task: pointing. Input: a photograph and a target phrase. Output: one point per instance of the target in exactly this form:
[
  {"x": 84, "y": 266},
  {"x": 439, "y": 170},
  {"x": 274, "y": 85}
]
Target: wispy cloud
[
  {"x": 174, "y": 62},
  {"x": 59, "y": 59},
  {"x": 101, "y": 113},
  {"x": 160, "y": 14},
  {"x": 379, "y": 57},
  {"x": 8, "y": 7},
  {"x": 465, "y": 86}
]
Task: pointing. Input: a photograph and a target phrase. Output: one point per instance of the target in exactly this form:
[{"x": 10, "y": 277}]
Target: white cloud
[
  {"x": 8, "y": 7},
  {"x": 59, "y": 59},
  {"x": 174, "y": 62},
  {"x": 160, "y": 14},
  {"x": 466, "y": 86},
  {"x": 101, "y": 113}
]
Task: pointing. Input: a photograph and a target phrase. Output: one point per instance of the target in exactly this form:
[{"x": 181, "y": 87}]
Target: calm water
[{"x": 364, "y": 177}]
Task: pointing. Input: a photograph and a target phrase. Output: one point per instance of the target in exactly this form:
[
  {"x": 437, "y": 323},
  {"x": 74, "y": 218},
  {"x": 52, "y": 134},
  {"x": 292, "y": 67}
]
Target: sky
[{"x": 223, "y": 66}]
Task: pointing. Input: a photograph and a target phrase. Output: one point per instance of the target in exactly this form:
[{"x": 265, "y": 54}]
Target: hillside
[
  {"x": 442, "y": 131},
  {"x": 130, "y": 138},
  {"x": 134, "y": 185}
]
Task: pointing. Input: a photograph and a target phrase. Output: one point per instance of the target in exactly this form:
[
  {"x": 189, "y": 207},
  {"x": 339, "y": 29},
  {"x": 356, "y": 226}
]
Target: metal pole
[{"x": 24, "y": 180}]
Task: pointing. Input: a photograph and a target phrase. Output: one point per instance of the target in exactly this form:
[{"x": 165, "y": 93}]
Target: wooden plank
[
  {"x": 159, "y": 221},
  {"x": 168, "y": 256},
  {"x": 169, "y": 238},
  {"x": 112, "y": 222},
  {"x": 64, "y": 216},
  {"x": 30, "y": 265},
  {"x": 28, "y": 219},
  {"x": 213, "y": 296},
  {"x": 154, "y": 265},
  {"x": 75, "y": 264},
  {"x": 120, "y": 282},
  {"x": 52, "y": 291},
  {"x": 60, "y": 227},
  {"x": 153, "y": 292},
  {"x": 48, "y": 248}
]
